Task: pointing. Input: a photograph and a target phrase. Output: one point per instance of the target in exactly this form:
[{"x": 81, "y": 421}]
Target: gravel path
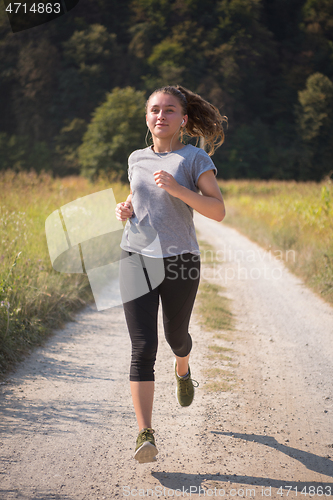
[{"x": 68, "y": 428}]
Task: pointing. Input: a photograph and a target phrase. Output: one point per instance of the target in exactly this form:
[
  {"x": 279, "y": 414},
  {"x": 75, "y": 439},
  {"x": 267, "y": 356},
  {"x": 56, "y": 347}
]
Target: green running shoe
[
  {"x": 185, "y": 388},
  {"x": 145, "y": 450}
]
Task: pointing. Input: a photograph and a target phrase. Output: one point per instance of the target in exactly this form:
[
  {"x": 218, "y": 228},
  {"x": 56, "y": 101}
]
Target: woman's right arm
[{"x": 124, "y": 210}]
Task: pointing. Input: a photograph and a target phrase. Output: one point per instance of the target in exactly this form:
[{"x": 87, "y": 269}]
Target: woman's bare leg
[
  {"x": 143, "y": 396},
  {"x": 182, "y": 365}
]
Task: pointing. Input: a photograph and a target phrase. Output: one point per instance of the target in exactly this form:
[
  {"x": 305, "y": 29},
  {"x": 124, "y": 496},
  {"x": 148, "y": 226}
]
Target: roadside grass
[
  {"x": 292, "y": 220},
  {"x": 219, "y": 380},
  {"x": 216, "y": 316},
  {"x": 222, "y": 336},
  {"x": 214, "y": 307},
  {"x": 34, "y": 298},
  {"x": 218, "y": 349}
]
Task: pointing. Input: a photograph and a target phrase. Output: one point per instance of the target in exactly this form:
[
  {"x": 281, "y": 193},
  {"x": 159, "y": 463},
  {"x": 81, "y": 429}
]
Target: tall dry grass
[
  {"x": 288, "y": 216},
  {"x": 35, "y": 299}
]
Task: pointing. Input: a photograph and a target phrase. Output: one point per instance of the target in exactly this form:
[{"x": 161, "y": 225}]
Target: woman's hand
[
  {"x": 124, "y": 210},
  {"x": 167, "y": 182}
]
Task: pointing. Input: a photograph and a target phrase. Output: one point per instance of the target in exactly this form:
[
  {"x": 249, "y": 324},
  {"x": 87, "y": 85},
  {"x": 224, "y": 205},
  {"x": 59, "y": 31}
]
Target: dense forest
[{"x": 72, "y": 91}]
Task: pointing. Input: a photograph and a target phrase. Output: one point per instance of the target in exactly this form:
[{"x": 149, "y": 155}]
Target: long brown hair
[{"x": 204, "y": 119}]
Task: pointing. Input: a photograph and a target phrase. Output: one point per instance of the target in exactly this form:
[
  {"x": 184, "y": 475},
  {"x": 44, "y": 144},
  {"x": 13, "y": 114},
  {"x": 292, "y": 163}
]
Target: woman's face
[{"x": 164, "y": 115}]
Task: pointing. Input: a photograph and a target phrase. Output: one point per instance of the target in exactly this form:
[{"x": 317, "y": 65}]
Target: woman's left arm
[{"x": 210, "y": 203}]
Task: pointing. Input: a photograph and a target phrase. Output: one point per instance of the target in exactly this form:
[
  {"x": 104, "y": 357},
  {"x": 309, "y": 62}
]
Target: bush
[
  {"x": 20, "y": 153},
  {"x": 117, "y": 128}
]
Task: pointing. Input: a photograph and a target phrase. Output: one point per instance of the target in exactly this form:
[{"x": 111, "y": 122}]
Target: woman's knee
[{"x": 180, "y": 343}]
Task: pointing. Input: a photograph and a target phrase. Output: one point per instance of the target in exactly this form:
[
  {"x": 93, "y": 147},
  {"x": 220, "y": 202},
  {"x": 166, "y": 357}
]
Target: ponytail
[{"x": 204, "y": 119}]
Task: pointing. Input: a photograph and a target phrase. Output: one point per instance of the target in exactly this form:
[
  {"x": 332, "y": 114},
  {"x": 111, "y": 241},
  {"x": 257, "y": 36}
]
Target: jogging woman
[{"x": 165, "y": 181}]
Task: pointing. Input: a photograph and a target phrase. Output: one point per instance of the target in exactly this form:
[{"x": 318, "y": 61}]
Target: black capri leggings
[{"x": 177, "y": 291}]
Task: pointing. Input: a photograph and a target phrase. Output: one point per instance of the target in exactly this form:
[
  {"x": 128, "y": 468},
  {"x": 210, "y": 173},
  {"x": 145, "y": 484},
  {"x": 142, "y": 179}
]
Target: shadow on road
[
  {"x": 309, "y": 460},
  {"x": 194, "y": 482}
]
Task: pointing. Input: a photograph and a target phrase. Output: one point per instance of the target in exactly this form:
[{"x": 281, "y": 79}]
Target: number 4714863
[
  {"x": 40, "y": 8},
  {"x": 306, "y": 490}
]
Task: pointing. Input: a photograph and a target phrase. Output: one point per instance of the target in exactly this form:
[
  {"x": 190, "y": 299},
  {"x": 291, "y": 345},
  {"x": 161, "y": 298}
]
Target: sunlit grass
[
  {"x": 288, "y": 216},
  {"x": 219, "y": 386},
  {"x": 219, "y": 380},
  {"x": 218, "y": 348},
  {"x": 214, "y": 307},
  {"x": 222, "y": 336},
  {"x": 34, "y": 298},
  {"x": 216, "y": 316},
  {"x": 219, "y": 356}
]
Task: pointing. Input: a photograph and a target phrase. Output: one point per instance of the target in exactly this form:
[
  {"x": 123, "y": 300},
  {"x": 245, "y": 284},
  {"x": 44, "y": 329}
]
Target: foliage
[
  {"x": 66, "y": 160},
  {"x": 116, "y": 129},
  {"x": 94, "y": 55},
  {"x": 257, "y": 60},
  {"x": 315, "y": 121},
  {"x": 20, "y": 153}
]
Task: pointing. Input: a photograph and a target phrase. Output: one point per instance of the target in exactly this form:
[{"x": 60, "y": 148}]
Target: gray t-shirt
[{"x": 156, "y": 212}]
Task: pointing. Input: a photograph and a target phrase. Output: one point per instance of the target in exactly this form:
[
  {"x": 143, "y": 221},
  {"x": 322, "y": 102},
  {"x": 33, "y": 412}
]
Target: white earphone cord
[{"x": 148, "y": 130}]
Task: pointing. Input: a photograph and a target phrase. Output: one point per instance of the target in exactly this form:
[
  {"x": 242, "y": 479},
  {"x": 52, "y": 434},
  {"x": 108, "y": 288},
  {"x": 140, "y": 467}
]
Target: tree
[
  {"x": 117, "y": 128},
  {"x": 315, "y": 122},
  {"x": 250, "y": 58},
  {"x": 20, "y": 153},
  {"x": 35, "y": 86},
  {"x": 67, "y": 142},
  {"x": 318, "y": 17},
  {"x": 91, "y": 66},
  {"x": 318, "y": 25}
]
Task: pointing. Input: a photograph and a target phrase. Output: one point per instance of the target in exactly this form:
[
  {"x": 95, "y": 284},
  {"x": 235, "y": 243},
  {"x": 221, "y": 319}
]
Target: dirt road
[{"x": 68, "y": 428}]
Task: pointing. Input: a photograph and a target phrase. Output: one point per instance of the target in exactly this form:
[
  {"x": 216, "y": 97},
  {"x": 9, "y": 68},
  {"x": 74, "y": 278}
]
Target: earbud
[{"x": 182, "y": 123}]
